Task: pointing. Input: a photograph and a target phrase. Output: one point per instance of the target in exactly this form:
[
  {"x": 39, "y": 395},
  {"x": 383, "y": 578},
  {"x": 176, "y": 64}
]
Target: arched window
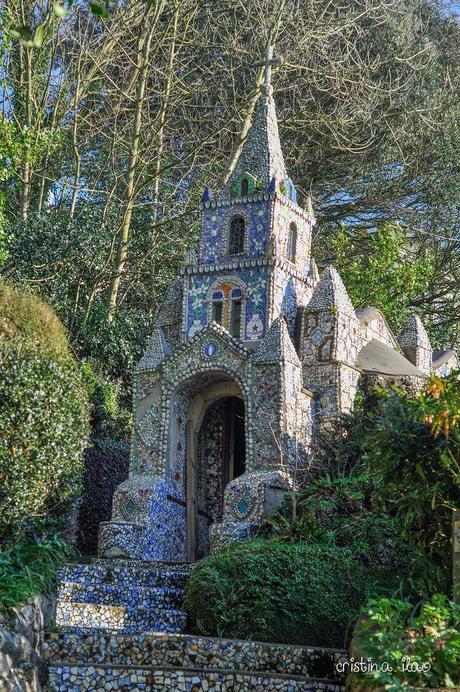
[
  {"x": 244, "y": 187},
  {"x": 227, "y": 304},
  {"x": 236, "y": 236},
  {"x": 235, "y": 312},
  {"x": 291, "y": 244},
  {"x": 217, "y": 312}
]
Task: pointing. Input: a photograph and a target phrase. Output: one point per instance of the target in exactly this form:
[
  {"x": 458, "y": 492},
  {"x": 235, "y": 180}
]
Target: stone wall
[{"x": 22, "y": 668}]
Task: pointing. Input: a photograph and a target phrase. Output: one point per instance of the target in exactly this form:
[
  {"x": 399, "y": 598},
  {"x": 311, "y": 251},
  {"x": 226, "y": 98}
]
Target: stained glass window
[
  {"x": 217, "y": 311},
  {"x": 235, "y": 323},
  {"x": 291, "y": 245},
  {"x": 236, "y": 236}
]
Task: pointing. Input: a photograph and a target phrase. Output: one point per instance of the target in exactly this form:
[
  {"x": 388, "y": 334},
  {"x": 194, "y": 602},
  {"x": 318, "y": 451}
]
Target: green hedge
[
  {"x": 274, "y": 591},
  {"x": 43, "y": 415}
]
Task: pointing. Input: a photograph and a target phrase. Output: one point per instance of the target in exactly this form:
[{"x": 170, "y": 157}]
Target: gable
[
  {"x": 374, "y": 326},
  {"x": 212, "y": 348}
]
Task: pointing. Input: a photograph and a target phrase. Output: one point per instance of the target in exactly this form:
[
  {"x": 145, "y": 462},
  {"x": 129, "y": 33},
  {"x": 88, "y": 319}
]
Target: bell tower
[{"x": 254, "y": 262}]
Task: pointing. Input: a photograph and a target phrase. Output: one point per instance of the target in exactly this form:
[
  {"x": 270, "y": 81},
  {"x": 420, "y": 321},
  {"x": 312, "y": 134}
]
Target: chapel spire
[{"x": 260, "y": 154}]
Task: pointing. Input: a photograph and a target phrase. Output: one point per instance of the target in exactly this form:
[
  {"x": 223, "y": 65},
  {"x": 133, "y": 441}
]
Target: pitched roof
[
  {"x": 330, "y": 293},
  {"x": 443, "y": 357},
  {"x": 378, "y": 358},
  {"x": 260, "y": 154},
  {"x": 157, "y": 350},
  {"x": 277, "y": 345}
]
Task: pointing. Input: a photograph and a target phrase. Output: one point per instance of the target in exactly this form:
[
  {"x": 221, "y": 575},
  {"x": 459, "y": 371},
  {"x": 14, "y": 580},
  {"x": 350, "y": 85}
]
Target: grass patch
[{"x": 29, "y": 568}]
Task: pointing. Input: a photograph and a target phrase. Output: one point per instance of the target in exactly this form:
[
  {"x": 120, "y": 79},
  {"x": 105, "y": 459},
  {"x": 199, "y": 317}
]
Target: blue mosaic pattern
[
  {"x": 122, "y": 596},
  {"x": 216, "y": 222},
  {"x": 210, "y": 349},
  {"x": 255, "y": 315},
  {"x": 164, "y": 537},
  {"x": 161, "y": 536}
]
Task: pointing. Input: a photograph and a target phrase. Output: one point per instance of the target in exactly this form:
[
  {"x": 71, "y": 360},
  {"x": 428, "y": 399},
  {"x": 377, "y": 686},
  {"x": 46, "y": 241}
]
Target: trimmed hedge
[
  {"x": 25, "y": 320},
  {"x": 43, "y": 415},
  {"x": 273, "y": 591}
]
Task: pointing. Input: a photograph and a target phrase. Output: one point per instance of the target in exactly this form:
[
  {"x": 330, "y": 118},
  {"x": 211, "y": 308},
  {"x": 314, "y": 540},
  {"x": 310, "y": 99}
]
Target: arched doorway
[
  {"x": 221, "y": 457},
  {"x": 208, "y": 450}
]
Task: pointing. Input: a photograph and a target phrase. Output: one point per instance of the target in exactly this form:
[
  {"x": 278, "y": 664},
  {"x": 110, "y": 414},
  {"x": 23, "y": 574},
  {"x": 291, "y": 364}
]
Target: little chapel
[{"x": 253, "y": 351}]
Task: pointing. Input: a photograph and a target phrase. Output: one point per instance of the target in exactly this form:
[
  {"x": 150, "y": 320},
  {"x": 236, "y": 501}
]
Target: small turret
[
  {"x": 157, "y": 350},
  {"x": 277, "y": 346},
  {"x": 415, "y": 343},
  {"x": 329, "y": 344},
  {"x": 288, "y": 406},
  {"x": 329, "y": 323},
  {"x": 331, "y": 293}
]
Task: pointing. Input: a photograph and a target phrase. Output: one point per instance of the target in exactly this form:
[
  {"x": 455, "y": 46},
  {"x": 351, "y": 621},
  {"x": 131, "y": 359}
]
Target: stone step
[
  {"x": 185, "y": 650},
  {"x": 125, "y": 573},
  {"x": 180, "y": 566},
  {"x": 115, "y": 594},
  {"x": 121, "y": 618},
  {"x": 65, "y": 678}
]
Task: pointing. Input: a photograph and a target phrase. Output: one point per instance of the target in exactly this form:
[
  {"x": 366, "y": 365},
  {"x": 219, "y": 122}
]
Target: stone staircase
[
  {"x": 123, "y": 595},
  {"x": 120, "y": 627}
]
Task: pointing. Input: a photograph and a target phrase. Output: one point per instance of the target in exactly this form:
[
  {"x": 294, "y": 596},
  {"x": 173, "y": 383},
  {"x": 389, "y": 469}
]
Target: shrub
[
  {"x": 43, "y": 415},
  {"x": 274, "y": 591},
  {"x": 422, "y": 650},
  {"x": 338, "y": 510},
  {"x": 109, "y": 420},
  {"x": 106, "y": 459},
  {"x": 339, "y": 505},
  {"x": 385, "y": 485},
  {"x": 414, "y": 452},
  {"x": 25, "y": 320},
  {"x": 29, "y": 567}
]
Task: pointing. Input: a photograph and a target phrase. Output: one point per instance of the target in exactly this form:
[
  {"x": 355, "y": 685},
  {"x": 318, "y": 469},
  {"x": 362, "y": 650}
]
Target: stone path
[{"x": 120, "y": 627}]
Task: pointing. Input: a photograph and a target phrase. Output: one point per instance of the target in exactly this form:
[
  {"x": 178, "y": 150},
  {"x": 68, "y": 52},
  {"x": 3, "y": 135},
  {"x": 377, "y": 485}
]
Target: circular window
[{"x": 210, "y": 349}]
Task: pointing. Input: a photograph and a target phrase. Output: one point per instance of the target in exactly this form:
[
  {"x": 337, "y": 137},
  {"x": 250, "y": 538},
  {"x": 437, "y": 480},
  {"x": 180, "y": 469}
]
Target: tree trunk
[
  {"x": 162, "y": 121},
  {"x": 144, "y": 47},
  {"x": 26, "y": 169}
]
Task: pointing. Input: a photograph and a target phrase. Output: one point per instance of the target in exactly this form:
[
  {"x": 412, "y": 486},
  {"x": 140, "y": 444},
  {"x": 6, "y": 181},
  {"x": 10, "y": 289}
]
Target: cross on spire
[{"x": 270, "y": 60}]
